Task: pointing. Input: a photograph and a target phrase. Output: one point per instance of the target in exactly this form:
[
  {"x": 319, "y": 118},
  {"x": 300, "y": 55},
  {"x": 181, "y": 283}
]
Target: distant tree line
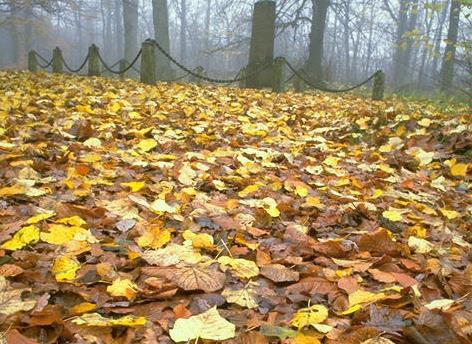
[{"x": 420, "y": 44}]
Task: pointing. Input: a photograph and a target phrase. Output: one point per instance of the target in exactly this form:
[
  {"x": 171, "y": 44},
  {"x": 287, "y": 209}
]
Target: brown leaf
[
  {"x": 15, "y": 337},
  {"x": 253, "y": 338},
  {"x": 312, "y": 285},
  {"x": 195, "y": 278},
  {"x": 279, "y": 273},
  {"x": 10, "y": 270},
  {"x": 381, "y": 276},
  {"x": 378, "y": 242},
  {"x": 348, "y": 284}
]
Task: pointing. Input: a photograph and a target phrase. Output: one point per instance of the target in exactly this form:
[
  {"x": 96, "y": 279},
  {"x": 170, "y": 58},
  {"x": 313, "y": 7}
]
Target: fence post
[
  {"x": 94, "y": 61},
  {"x": 57, "y": 66},
  {"x": 242, "y": 75},
  {"x": 261, "y": 51},
  {"x": 122, "y": 65},
  {"x": 278, "y": 76},
  {"x": 148, "y": 70},
  {"x": 379, "y": 86},
  {"x": 32, "y": 62}
]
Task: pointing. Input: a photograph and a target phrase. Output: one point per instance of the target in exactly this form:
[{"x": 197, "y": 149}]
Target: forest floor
[{"x": 177, "y": 213}]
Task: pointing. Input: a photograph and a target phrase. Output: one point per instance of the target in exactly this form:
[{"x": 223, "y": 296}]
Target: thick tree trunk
[
  {"x": 207, "y": 35},
  {"x": 438, "y": 40},
  {"x": 400, "y": 44},
  {"x": 447, "y": 68},
  {"x": 315, "y": 59},
  {"x": 161, "y": 35},
  {"x": 130, "y": 20}
]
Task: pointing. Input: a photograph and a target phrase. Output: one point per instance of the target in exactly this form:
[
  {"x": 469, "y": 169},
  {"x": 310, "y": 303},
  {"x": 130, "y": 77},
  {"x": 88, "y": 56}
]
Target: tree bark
[
  {"x": 118, "y": 29},
  {"x": 161, "y": 35},
  {"x": 183, "y": 31},
  {"x": 447, "y": 68},
  {"x": 318, "y": 25},
  {"x": 400, "y": 44},
  {"x": 130, "y": 20}
]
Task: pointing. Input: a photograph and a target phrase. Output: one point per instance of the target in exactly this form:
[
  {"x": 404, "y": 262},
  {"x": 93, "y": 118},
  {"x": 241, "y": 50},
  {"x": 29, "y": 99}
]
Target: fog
[{"x": 412, "y": 41}]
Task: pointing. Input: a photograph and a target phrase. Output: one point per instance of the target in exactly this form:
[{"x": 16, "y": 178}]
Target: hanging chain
[
  {"x": 48, "y": 63},
  {"x": 77, "y": 69},
  {"x": 130, "y": 65},
  {"x": 326, "y": 89}
]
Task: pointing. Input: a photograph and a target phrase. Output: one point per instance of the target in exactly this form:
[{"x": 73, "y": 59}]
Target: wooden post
[
  {"x": 242, "y": 75},
  {"x": 379, "y": 86},
  {"x": 57, "y": 65},
  {"x": 32, "y": 62},
  {"x": 122, "y": 65},
  {"x": 278, "y": 76},
  {"x": 148, "y": 70},
  {"x": 94, "y": 61},
  {"x": 261, "y": 51}
]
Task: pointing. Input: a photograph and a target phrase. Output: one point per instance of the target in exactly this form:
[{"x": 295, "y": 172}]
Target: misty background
[{"x": 421, "y": 45}]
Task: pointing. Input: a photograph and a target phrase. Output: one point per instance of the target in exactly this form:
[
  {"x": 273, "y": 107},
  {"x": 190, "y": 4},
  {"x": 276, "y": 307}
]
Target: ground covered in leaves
[{"x": 178, "y": 213}]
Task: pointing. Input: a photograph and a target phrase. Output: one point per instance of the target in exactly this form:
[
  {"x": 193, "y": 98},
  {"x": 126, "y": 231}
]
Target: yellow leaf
[
  {"x": 443, "y": 304},
  {"x": 160, "y": 206},
  {"x": 425, "y": 122},
  {"x": 95, "y": 319},
  {"x": 385, "y": 148},
  {"x": 123, "y": 287},
  {"x": 200, "y": 240},
  {"x": 12, "y": 190},
  {"x": 38, "y": 218},
  {"x": 331, "y": 161},
  {"x": 423, "y": 156},
  {"x": 459, "y": 170},
  {"x": 11, "y": 299},
  {"x": 93, "y": 143},
  {"x": 450, "y": 214},
  {"x": 147, "y": 145},
  {"x": 248, "y": 190},
  {"x": 311, "y": 315},
  {"x": 245, "y": 297},
  {"x": 82, "y": 308},
  {"x": 134, "y": 186},
  {"x": 60, "y": 235},
  {"x": 172, "y": 254},
  {"x": 242, "y": 268},
  {"x": 72, "y": 221},
  {"x": 65, "y": 268},
  {"x": 392, "y": 215},
  {"x": 313, "y": 202},
  {"x": 305, "y": 339},
  {"x": 187, "y": 175},
  {"x": 154, "y": 238},
  {"x": 420, "y": 245},
  {"x": 362, "y": 296},
  {"x": 25, "y": 236},
  {"x": 270, "y": 206},
  {"x": 208, "y": 325}
]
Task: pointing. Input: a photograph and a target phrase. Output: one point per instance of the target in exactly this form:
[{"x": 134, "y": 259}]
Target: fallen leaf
[
  {"x": 311, "y": 315},
  {"x": 124, "y": 288},
  {"x": 11, "y": 300},
  {"x": 25, "y": 236},
  {"x": 208, "y": 325},
  {"x": 95, "y": 319}
]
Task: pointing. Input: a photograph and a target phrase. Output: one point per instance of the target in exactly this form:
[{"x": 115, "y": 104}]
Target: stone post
[
  {"x": 148, "y": 72},
  {"x": 123, "y": 65},
  {"x": 379, "y": 86},
  {"x": 261, "y": 51},
  {"x": 278, "y": 76},
  {"x": 57, "y": 65},
  {"x": 94, "y": 61},
  {"x": 32, "y": 62}
]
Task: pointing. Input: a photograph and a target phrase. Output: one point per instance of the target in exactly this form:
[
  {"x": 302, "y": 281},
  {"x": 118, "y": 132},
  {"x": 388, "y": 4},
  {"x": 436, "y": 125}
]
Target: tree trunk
[
  {"x": 183, "y": 31},
  {"x": 130, "y": 20},
  {"x": 207, "y": 35},
  {"x": 447, "y": 68},
  {"x": 118, "y": 29},
  {"x": 318, "y": 25},
  {"x": 161, "y": 35},
  {"x": 400, "y": 44},
  {"x": 438, "y": 40}
]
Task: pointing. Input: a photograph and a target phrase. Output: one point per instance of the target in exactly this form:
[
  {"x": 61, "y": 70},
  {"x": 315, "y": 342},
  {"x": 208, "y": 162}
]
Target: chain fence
[
  {"x": 48, "y": 63},
  {"x": 119, "y": 72},
  {"x": 319, "y": 87},
  {"x": 78, "y": 69}
]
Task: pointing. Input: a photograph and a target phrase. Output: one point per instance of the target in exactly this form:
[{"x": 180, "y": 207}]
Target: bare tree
[{"x": 447, "y": 68}]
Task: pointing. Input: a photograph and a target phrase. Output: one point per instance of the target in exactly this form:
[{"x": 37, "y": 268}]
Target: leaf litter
[{"x": 132, "y": 213}]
